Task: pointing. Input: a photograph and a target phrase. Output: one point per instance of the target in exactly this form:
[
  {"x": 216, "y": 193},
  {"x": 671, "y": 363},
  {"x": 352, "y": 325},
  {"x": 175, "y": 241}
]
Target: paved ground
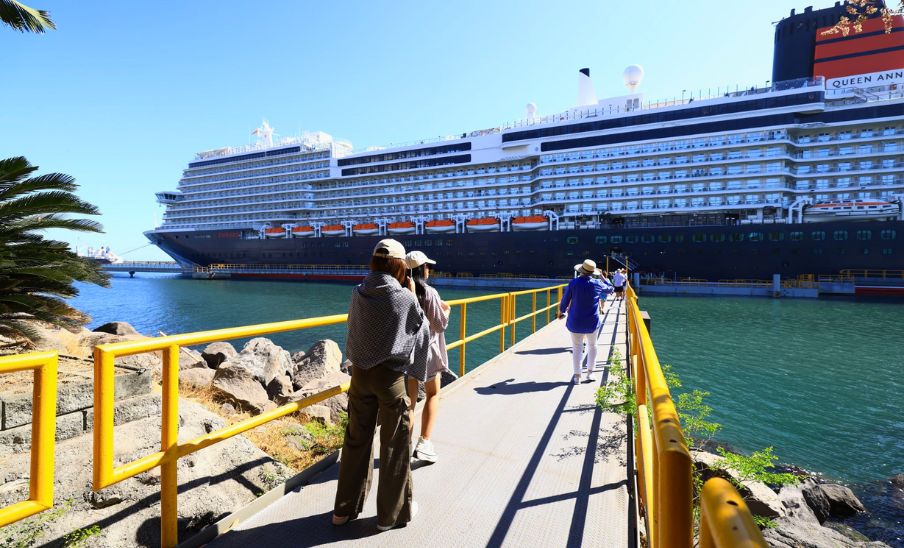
[{"x": 526, "y": 459}]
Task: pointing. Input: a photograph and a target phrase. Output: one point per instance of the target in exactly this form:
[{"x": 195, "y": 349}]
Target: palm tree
[
  {"x": 36, "y": 272},
  {"x": 23, "y": 18}
]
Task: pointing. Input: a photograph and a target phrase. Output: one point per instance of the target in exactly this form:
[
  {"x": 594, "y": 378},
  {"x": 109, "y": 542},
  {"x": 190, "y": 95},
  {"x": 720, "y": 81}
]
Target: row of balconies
[{"x": 245, "y": 165}]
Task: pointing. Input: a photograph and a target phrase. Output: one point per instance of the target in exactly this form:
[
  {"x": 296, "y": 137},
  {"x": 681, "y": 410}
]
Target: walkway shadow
[
  {"x": 510, "y": 388},
  {"x": 309, "y": 531},
  {"x": 545, "y": 351}
]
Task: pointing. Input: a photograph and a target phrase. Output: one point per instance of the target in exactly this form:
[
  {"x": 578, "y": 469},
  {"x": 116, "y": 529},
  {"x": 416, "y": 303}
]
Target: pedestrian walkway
[{"x": 526, "y": 459}]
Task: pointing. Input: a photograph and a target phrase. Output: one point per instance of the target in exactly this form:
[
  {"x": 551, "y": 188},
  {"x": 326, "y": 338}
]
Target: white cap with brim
[
  {"x": 392, "y": 249},
  {"x": 587, "y": 267},
  {"x": 417, "y": 258}
]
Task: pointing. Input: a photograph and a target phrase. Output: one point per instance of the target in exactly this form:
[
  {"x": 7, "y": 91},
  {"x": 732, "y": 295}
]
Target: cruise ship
[{"x": 801, "y": 176}]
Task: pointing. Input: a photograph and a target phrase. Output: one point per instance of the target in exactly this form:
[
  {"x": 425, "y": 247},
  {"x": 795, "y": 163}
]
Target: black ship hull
[{"x": 707, "y": 252}]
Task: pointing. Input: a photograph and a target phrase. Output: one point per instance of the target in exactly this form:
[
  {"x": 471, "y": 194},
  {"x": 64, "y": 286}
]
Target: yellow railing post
[
  {"x": 43, "y": 431},
  {"x": 103, "y": 419},
  {"x": 533, "y": 318},
  {"x": 463, "y": 328},
  {"x": 513, "y": 313},
  {"x": 548, "y": 305},
  {"x": 169, "y": 481},
  {"x": 503, "y": 318}
]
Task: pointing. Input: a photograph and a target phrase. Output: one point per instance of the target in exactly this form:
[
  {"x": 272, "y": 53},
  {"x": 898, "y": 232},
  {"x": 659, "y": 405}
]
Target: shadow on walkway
[{"x": 510, "y": 388}]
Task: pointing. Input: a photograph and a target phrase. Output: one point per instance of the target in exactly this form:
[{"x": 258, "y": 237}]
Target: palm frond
[
  {"x": 15, "y": 169},
  {"x": 44, "y": 203},
  {"x": 23, "y": 18},
  {"x": 50, "y": 181}
]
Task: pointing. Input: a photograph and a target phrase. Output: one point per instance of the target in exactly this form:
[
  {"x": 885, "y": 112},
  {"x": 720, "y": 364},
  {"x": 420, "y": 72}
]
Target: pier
[{"x": 527, "y": 457}]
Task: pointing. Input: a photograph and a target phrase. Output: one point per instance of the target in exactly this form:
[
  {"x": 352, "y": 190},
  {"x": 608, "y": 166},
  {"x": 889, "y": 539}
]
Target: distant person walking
[
  {"x": 387, "y": 333},
  {"x": 437, "y": 361},
  {"x": 618, "y": 281},
  {"x": 581, "y": 299}
]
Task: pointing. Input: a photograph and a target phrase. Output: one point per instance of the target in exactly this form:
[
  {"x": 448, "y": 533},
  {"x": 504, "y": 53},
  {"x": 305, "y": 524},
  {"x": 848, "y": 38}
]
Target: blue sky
[{"x": 122, "y": 95}]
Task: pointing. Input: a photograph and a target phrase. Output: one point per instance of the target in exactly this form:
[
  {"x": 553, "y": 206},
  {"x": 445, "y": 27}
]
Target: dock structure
[{"x": 527, "y": 458}]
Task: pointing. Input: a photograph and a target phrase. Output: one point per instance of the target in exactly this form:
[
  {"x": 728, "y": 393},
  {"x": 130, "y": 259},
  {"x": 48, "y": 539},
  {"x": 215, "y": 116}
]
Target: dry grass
[{"x": 294, "y": 440}]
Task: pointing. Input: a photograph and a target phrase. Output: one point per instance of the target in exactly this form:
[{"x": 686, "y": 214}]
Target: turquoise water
[{"x": 820, "y": 380}]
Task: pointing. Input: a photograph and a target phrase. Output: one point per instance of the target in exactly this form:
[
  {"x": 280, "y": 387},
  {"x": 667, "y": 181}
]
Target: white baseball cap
[
  {"x": 390, "y": 248},
  {"x": 417, "y": 258},
  {"x": 587, "y": 267}
]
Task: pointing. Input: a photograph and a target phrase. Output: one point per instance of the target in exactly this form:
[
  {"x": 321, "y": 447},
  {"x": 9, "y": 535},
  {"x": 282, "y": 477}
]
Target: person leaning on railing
[{"x": 387, "y": 333}]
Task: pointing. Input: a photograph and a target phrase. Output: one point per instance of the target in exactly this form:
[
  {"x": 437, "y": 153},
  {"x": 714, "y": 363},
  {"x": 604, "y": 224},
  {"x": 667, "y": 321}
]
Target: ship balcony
[
  {"x": 874, "y": 149},
  {"x": 851, "y": 137},
  {"x": 283, "y": 167}
]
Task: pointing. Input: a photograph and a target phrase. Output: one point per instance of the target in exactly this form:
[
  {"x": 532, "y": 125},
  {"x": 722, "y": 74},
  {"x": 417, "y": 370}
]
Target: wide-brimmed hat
[
  {"x": 417, "y": 258},
  {"x": 587, "y": 267},
  {"x": 392, "y": 249}
]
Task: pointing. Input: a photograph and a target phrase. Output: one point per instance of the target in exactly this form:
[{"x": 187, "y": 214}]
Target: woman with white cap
[
  {"x": 581, "y": 299},
  {"x": 437, "y": 312},
  {"x": 387, "y": 333}
]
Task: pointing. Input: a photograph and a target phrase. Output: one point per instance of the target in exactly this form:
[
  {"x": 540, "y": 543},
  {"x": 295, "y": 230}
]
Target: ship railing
[
  {"x": 106, "y": 474},
  {"x": 883, "y": 274},
  {"x": 663, "y": 462}
]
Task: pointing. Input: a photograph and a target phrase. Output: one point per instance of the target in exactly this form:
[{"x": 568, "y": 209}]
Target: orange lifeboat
[
  {"x": 333, "y": 230},
  {"x": 440, "y": 226},
  {"x": 365, "y": 229},
  {"x": 483, "y": 224},
  {"x": 302, "y": 231},
  {"x": 402, "y": 227},
  {"x": 274, "y": 232},
  {"x": 530, "y": 222}
]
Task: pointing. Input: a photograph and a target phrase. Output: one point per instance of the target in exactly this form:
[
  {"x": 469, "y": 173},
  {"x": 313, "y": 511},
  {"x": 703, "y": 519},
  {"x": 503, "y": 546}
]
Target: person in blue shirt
[{"x": 581, "y": 299}]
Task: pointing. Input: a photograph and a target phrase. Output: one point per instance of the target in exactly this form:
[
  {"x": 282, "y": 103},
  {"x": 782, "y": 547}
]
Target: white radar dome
[
  {"x": 531, "y": 110},
  {"x": 633, "y": 75}
]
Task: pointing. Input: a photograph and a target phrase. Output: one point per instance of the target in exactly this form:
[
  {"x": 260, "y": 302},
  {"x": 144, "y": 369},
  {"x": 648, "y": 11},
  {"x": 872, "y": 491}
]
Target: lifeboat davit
[
  {"x": 531, "y": 222},
  {"x": 365, "y": 229},
  {"x": 439, "y": 226},
  {"x": 274, "y": 232},
  {"x": 402, "y": 227},
  {"x": 483, "y": 224},
  {"x": 302, "y": 231},
  {"x": 333, "y": 230}
]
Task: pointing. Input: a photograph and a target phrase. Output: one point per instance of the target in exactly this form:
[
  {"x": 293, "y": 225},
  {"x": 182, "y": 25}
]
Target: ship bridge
[{"x": 528, "y": 457}]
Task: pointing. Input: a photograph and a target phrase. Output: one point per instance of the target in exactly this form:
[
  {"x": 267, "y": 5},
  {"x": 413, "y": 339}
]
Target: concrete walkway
[{"x": 526, "y": 459}]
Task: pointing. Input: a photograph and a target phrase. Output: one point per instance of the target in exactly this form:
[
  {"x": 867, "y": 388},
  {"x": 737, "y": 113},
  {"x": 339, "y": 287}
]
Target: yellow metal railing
[
  {"x": 850, "y": 273},
  {"x": 43, "y": 430},
  {"x": 663, "y": 461},
  {"x": 106, "y": 474}
]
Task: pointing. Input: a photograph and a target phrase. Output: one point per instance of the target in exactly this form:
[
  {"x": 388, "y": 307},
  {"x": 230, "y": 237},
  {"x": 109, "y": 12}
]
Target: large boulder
[
  {"x": 336, "y": 404},
  {"x": 322, "y": 359},
  {"x": 239, "y": 383},
  {"x": 216, "y": 353},
  {"x": 761, "y": 500},
  {"x": 816, "y": 500},
  {"x": 898, "y": 480},
  {"x": 197, "y": 378},
  {"x": 190, "y": 359},
  {"x": 279, "y": 389},
  {"x": 117, "y": 328},
  {"x": 842, "y": 502},
  {"x": 271, "y": 359},
  {"x": 800, "y": 528}
]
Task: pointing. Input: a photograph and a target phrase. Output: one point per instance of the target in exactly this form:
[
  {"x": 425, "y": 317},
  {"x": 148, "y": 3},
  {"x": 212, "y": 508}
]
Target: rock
[
  {"x": 816, "y": 500},
  {"x": 227, "y": 409},
  {"x": 842, "y": 501},
  {"x": 297, "y": 357},
  {"x": 336, "y": 404},
  {"x": 345, "y": 367},
  {"x": 238, "y": 383},
  {"x": 117, "y": 328},
  {"x": 190, "y": 359},
  {"x": 279, "y": 389},
  {"x": 795, "y": 502},
  {"x": 323, "y": 358},
  {"x": 216, "y": 353},
  {"x": 270, "y": 359},
  {"x": 898, "y": 481},
  {"x": 196, "y": 378},
  {"x": 300, "y": 439},
  {"x": 320, "y": 413},
  {"x": 761, "y": 500},
  {"x": 60, "y": 340}
]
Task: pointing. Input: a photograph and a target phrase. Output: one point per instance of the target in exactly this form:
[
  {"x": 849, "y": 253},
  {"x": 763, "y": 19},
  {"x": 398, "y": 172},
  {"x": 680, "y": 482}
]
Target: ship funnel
[{"x": 586, "y": 94}]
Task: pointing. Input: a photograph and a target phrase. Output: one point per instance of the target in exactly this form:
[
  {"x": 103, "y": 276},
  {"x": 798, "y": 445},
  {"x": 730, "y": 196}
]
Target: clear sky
[{"x": 123, "y": 94}]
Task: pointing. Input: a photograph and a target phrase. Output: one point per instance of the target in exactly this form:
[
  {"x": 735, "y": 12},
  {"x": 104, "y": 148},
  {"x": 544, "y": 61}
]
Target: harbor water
[{"x": 819, "y": 380}]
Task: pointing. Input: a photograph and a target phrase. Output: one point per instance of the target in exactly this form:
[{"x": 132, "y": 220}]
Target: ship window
[
  {"x": 818, "y": 235},
  {"x": 887, "y": 234},
  {"x": 631, "y": 239},
  {"x": 601, "y": 239},
  {"x": 679, "y": 238},
  {"x": 796, "y": 236},
  {"x": 648, "y": 238},
  {"x": 737, "y": 236},
  {"x": 665, "y": 238},
  {"x": 699, "y": 237},
  {"x": 776, "y": 236},
  {"x": 866, "y": 251},
  {"x": 755, "y": 236},
  {"x": 864, "y": 234},
  {"x": 717, "y": 238},
  {"x": 840, "y": 235},
  {"x": 887, "y": 251},
  {"x": 616, "y": 239},
  {"x": 571, "y": 240}
]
